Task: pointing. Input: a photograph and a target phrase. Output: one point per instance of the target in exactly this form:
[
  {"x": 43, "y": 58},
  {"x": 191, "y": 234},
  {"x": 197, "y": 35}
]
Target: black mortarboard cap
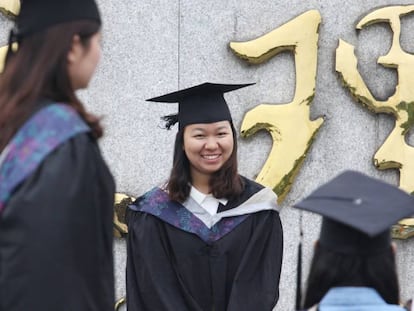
[
  {"x": 358, "y": 212},
  {"x": 37, "y": 15},
  {"x": 202, "y": 103}
]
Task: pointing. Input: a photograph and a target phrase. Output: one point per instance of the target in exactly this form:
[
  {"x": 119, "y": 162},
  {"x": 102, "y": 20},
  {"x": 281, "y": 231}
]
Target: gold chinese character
[
  {"x": 3, "y": 52},
  {"x": 10, "y": 8},
  {"x": 395, "y": 152},
  {"x": 289, "y": 124}
]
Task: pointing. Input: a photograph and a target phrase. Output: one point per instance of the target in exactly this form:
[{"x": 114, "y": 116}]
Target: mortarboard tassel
[
  {"x": 12, "y": 39},
  {"x": 299, "y": 268},
  {"x": 170, "y": 120}
]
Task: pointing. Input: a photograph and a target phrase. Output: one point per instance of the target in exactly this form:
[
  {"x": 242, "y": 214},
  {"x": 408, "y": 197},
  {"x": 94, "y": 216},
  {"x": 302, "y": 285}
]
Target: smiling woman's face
[{"x": 208, "y": 146}]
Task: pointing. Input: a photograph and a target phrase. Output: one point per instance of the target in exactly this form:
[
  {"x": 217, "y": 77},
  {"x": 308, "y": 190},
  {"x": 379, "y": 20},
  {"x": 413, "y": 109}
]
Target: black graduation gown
[
  {"x": 56, "y": 234},
  {"x": 171, "y": 269}
]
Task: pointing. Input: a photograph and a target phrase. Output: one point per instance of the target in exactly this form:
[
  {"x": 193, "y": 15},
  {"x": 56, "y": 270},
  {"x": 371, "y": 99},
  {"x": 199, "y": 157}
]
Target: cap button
[{"x": 358, "y": 201}]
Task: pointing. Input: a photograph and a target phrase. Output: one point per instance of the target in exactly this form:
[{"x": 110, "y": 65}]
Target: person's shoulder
[
  {"x": 77, "y": 160},
  {"x": 350, "y": 298},
  {"x": 255, "y": 194},
  {"x": 250, "y": 185},
  {"x": 145, "y": 206},
  {"x": 252, "y": 188},
  {"x": 79, "y": 148},
  {"x": 155, "y": 195},
  {"x": 63, "y": 177}
]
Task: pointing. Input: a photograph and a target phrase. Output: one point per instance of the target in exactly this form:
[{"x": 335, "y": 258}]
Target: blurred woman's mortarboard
[
  {"x": 358, "y": 212},
  {"x": 37, "y": 15}
]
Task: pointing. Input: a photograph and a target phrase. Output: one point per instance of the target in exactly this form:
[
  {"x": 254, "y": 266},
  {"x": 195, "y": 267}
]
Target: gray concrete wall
[{"x": 153, "y": 47}]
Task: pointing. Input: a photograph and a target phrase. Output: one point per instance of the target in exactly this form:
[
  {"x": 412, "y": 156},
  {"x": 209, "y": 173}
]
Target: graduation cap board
[
  {"x": 37, "y": 15},
  {"x": 358, "y": 212},
  {"x": 202, "y": 103}
]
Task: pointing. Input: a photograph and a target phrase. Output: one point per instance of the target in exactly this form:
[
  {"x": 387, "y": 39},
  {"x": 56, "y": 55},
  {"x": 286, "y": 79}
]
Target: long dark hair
[
  {"x": 225, "y": 183},
  {"x": 39, "y": 70},
  {"x": 331, "y": 269}
]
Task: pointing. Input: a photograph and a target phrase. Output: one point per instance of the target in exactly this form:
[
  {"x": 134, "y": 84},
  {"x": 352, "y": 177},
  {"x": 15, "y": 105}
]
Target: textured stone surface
[{"x": 153, "y": 47}]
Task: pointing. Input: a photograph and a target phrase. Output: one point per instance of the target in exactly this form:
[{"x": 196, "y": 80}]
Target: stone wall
[{"x": 154, "y": 47}]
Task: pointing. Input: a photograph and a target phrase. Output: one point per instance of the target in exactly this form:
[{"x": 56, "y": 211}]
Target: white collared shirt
[
  {"x": 206, "y": 201},
  {"x": 263, "y": 200}
]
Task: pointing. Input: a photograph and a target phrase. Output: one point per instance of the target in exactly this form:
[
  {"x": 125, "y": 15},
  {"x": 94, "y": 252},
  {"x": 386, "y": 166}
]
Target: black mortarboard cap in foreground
[
  {"x": 202, "y": 103},
  {"x": 358, "y": 212},
  {"x": 37, "y": 15}
]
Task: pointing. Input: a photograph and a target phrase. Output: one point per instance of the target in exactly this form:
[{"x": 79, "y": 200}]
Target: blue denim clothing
[{"x": 355, "y": 299}]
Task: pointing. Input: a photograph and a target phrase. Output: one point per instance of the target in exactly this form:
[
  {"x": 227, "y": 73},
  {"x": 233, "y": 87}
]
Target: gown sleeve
[{"x": 56, "y": 234}]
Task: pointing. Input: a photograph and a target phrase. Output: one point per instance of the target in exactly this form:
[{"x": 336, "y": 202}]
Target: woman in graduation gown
[
  {"x": 210, "y": 239},
  {"x": 56, "y": 192},
  {"x": 353, "y": 267}
]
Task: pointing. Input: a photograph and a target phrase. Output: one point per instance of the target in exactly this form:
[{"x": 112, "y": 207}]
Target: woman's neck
[{"x": 201, "y": 182}]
